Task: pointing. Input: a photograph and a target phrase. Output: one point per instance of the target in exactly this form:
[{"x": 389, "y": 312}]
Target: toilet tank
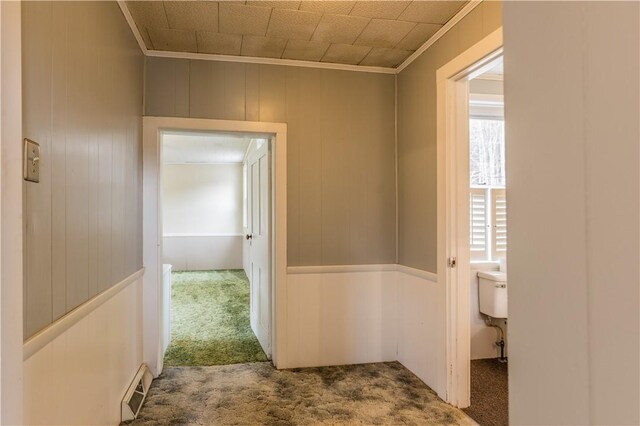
[{"x": 492, "y": 293}]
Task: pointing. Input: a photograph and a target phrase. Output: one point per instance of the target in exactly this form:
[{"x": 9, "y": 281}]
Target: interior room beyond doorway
[{"x": 206, "y": 192}]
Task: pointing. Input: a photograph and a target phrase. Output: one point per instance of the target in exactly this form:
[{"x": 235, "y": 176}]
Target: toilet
[{"x": 492, "y": 293}]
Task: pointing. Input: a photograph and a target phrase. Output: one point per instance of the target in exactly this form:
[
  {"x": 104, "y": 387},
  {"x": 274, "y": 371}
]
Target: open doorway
[
  {"x": 455, "y": 192},
  {"x": 216, "y": 214},
  {"x": 488, "y": 248},
  {"x": 156, "y": 327}
]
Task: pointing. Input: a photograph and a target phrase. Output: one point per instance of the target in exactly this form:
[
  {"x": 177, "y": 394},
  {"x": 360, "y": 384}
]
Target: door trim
[
  {"x": 152, "y": 227},
  {"x": 452, "y": 81},
  {"x": 11, "y": 214}
]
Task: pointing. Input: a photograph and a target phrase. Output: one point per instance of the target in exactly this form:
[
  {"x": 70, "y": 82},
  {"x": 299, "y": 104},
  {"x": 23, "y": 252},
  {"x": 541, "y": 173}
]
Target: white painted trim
[
  {"x": 11, "y": 214},
  {"x": 269, "y": 61},
  {"x": 486, "y": 106},
  {"x": 179, "y": 124},
  {"x": 55, "y": 329},
  {"x": 441, "y": 32},
  {"x": 426, "y": 275},
  {"x": 177, "y": 235},
  {"x": 453, "y": 207},
  {"x": 132, "y": 25},
  {"x": 480, "y": 265},
  {"x": 296, "y": 63},
  {"x": 486, "y": 99},
  {"x": 491, "y": 77},
  {"x": 339, "y": 269},
  {"x": 396, "y": 168},
  {"x": 152, "y": 229},
  {"x": 202, "y": 163}
]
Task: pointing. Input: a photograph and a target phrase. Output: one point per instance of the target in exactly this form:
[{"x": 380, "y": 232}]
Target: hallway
[
  {"x": 210, "y": 320},
  {"x": 320, "y": 146},
  {"x": 381, "y": 393}
]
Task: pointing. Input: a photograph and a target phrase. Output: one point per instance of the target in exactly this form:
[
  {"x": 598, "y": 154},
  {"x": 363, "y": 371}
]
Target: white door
[{"x": 258, "y": 237}]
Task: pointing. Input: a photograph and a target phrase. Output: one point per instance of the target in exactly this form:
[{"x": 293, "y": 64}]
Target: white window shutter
[
  {"x": 479, "y": 223},
  {"x": 499, "y": 220}
]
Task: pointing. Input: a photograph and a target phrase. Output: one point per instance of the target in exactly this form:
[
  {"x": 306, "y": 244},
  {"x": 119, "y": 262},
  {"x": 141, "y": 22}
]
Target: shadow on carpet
[{"x": 210, "y": 320}]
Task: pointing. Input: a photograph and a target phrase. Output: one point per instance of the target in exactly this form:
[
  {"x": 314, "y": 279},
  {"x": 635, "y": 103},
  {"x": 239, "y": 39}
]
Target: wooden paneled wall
[
  {"x": 341, "y": 145},
  {"x": 572, "y": 102},
  {"x": 82, "y": 101},
  {"x": 417, "y": 209}
]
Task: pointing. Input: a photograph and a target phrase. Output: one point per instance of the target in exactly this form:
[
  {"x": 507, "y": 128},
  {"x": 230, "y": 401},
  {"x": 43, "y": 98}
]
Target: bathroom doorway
[
  {"x": 488, "y": 248},
  {"x": 454, "y": 207}
]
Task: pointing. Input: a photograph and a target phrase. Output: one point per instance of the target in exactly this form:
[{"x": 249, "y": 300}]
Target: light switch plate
[{"x": 31, "y": 161}]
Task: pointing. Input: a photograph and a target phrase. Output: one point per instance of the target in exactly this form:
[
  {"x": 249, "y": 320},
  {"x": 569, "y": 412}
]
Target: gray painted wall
[
  {"x": 417, "y": 212},
  {"x": 341, "y": 161},
  {"x": 82, "y": 101},
  {"x": 574, "y": 234}
]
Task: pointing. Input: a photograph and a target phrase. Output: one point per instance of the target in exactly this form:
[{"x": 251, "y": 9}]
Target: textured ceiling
[{"x": 373, "y": 33}]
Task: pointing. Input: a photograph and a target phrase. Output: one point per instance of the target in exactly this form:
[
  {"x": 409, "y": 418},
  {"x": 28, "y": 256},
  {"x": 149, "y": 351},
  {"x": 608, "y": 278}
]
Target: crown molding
[
  {"x": 268, "y": 61},
  {"x": 441, "y": 32},
  {"x": 132, "y": 25},
  {"x": 292, "y": 62}
]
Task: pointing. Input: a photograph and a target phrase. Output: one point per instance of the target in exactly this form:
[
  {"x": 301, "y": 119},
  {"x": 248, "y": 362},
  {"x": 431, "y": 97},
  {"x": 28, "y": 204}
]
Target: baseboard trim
[
  {"x": 47, "y": 335},
  {"x": 339, "y": 269}
]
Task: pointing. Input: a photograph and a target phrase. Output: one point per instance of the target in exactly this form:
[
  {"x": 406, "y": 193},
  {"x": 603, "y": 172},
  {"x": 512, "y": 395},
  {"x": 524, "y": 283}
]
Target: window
[{"x": 488, "y": 204}]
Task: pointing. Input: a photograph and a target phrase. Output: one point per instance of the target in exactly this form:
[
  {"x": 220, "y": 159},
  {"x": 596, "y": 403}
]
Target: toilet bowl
[{"x": 492, "y": 293}]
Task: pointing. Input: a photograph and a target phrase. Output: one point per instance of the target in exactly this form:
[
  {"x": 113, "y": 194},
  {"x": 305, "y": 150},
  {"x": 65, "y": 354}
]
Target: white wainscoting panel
[
  {"x": 421, "y": 328},
  {"x": 80, "y": 376},
  {"x": 341, "y": 318},
  {"x": 202, "y": 252}
]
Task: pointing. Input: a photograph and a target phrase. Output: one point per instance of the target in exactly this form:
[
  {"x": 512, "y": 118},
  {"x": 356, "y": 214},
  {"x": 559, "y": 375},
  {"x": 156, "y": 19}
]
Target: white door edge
[{"x": 453, "y": 224}]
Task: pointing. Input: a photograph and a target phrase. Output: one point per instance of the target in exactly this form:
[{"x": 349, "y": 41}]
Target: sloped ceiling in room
[{"x": 367, "y": 33}]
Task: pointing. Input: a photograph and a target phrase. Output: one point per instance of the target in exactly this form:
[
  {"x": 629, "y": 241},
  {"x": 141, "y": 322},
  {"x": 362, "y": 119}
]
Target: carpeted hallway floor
[
  {"x": 210, "y": 320},
  {"x": 258, "y": 394},
  {"x": 489, "y": 392}
]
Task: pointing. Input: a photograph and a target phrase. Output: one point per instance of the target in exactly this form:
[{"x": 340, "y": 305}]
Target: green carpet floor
[{"x": 210, "y": 320}]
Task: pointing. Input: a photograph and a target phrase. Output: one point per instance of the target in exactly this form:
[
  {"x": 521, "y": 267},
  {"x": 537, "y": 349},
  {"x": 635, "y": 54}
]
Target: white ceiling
[
  {"x": 496, "y": 72},
  {"x": 203, "y": 148},
  {"x": 498, "y": 68},
  {"x": 372, "y": 33}
]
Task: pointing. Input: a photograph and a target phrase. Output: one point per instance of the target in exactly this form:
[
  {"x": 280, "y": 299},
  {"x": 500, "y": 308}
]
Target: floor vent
[{"x": 137, "y": 392}]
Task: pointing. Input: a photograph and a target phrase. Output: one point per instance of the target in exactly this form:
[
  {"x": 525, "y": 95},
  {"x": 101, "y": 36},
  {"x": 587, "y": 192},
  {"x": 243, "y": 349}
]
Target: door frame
[
  {"x": 11, "y": 215},
  {"x": 452, "y": 80},
  {"x": 152, "y": 127}
]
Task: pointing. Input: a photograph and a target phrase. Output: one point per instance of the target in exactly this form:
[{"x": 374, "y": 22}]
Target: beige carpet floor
[
  {"x": 489, "y": 392},
  {"x": 258, "y": 394}
]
